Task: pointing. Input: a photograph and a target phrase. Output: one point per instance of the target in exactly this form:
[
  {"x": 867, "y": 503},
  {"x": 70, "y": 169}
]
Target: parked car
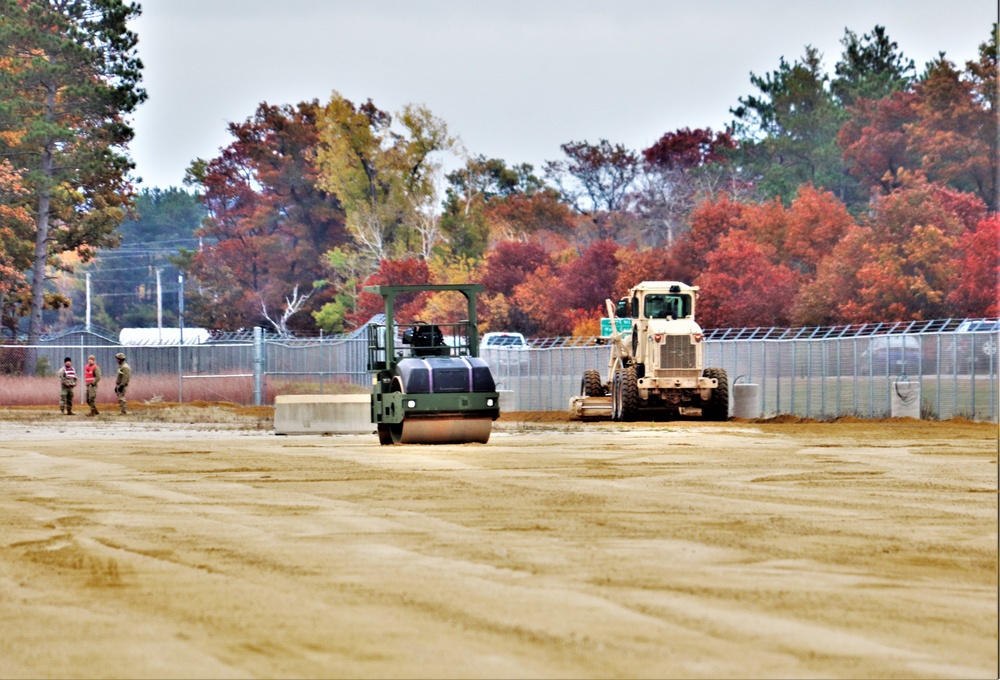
[
  {"x": 973, "y": 346},
  {"x": 505, "y": 340},
  {"x": 895, "y": 354},
  {"x": 511, "y": 349}
]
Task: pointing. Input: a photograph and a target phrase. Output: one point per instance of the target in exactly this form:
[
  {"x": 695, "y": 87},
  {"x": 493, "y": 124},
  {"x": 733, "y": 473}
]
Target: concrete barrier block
[
  {"x": 904, "y": 401},
  {"x": 323, "y": 414},
  {"x": 746, "y": 400}
]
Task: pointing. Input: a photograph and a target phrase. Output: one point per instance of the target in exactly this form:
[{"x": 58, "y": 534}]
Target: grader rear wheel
[{"x": 591, "y": 386}]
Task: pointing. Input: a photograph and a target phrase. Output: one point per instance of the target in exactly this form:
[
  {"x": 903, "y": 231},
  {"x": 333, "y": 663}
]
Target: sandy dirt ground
[{"x": 139, "y": 547}]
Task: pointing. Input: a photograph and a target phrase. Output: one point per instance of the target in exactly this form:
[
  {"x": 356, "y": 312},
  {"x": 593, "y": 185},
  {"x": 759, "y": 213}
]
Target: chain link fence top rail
[{"x": 818, "y": 372}]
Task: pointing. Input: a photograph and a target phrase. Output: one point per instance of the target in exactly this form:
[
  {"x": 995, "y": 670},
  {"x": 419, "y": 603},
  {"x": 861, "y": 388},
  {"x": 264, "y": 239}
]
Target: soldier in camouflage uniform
[
  {"x": 67, "y": 381},
  {"x": 121, "y": 382}
]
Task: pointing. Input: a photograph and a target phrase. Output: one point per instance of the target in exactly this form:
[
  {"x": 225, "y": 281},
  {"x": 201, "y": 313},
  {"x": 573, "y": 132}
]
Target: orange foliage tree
[
  {"x": 409, "y": 307},
  {"x": 978, "y": 289},
  {"x": 902, "y": 265},
  {"x": 955, "y": 134},
  {"x": 742, "y": 285},
  {"x": 16, "y": 230}
]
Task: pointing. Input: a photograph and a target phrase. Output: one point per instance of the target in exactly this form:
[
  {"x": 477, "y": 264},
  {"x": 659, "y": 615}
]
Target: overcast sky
[{"x": 512, "y": 79}]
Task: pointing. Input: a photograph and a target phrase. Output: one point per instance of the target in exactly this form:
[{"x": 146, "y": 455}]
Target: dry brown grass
[
  {"x": 33, "y": 391},
  {"x": 195, "y": 412}
]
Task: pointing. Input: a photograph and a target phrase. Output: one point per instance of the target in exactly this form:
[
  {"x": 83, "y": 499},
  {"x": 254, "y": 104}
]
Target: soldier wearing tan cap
[{"x": 121, "y": 383}]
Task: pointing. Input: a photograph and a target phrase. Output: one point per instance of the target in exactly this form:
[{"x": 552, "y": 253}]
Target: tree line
[{"x": 863, "y": 194}]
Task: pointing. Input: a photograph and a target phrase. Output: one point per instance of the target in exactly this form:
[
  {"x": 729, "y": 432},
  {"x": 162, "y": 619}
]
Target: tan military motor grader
[{"x": 656, "y": 370}]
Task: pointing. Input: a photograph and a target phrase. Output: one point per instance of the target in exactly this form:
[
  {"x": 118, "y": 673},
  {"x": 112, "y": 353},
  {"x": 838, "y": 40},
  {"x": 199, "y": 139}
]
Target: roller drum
[{"x": 440, "y": 430}]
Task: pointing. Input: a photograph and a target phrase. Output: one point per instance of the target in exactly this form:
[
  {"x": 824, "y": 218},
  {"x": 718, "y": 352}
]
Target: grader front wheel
[
  {"x": 630, "y": 394},
  {"x": 717, "y": 407},
  {"x": 624, "y": 394}
]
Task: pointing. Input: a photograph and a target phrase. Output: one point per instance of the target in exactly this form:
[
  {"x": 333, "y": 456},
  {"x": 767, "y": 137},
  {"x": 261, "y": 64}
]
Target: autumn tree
[
  {"x": 943, "y": 125},
  {"x": 16, "y": 228},
  {"x": 711, "y": 219},
  {"x": 599, "y": 181},
  {"x": 505, "y": 267},
  {"x": 383, "y": 169},
  {"x": 556, "y": 297},
  {"x": 268, "y": 221},
  {"x": 803, "y": 233},
  {"x": 679, "y": 170},
  {"x": 409, "y": 306},
  {"x": 955, "y": 132},
  {"x": 488, "y": 202},
  {"x": 902, "y": 264},
  {"x": 874, "y": 141},
  {"x": 70, "y": 78},
  {"x": 510, "y": 263},
  {"x": 742, "y": 286},
  {"x": 645, "y": 264},
  {"x": 978, "y": 289}
]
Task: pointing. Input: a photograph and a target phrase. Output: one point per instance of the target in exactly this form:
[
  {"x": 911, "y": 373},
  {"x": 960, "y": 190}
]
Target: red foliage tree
[
  {"x": 710, "y": 221},
  {"x": 816, "y": 222},
  {"x": 829, "y": 297},
  {"x": 634, "y": 266},
  {"x": 955, "y": 134},
  {"x": 978, "y": 289},
  {"x": 537, "y": 215},
  {"x": 587, "y": 282},
  {"x": 409, "y": 306},
  {"x": 268, "y": 222},
  {"x": 556, "y": 299},
  {"x": 509, "y": 263},
  {"x": 874, "y": 140},
  {"x": 742, "y": 286},
  {"x": 687, "y": 149},
  {"x": 903, "y": 265}
]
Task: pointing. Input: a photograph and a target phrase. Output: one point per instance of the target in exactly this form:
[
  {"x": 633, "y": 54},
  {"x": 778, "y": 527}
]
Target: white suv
[
  {"x": 508, "y": 350},
  {"x": 503, "y": 340}
]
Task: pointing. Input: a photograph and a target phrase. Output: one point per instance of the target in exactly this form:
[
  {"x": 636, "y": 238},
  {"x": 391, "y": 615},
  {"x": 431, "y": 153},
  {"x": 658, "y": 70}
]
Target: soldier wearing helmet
[{"x": 121, "y": 382}]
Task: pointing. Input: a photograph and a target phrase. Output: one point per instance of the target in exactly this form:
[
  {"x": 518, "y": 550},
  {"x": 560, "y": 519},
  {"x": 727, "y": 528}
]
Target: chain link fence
[{"x": 809, "y": 374}]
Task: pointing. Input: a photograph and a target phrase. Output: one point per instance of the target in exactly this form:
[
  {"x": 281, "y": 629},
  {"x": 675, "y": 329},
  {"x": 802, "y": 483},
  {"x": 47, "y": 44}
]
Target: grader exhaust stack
[{"x": 429, "y": 385}]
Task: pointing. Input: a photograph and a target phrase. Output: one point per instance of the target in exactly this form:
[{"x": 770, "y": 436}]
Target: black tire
[
  {"x": 384, "y": 435},
  {"x": 717, "y": 407},
  {"x": 390, "y": 433},
  {"x": 629, "y": 395},
  {"x": 591, "y": 386}
]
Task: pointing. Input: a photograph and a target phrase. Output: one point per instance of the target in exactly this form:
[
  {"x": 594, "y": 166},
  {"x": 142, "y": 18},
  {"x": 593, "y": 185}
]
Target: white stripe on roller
[
  {"x": 469, "y": 364},
  {"x": 430, "y": 376}
]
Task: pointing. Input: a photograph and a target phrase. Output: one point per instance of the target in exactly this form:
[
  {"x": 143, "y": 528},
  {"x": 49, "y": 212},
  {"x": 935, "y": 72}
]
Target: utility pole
[
  {"x": 88, "y": 302},
  {"x": 180, "y": 344},
  {"x": 180, "y": 305}
]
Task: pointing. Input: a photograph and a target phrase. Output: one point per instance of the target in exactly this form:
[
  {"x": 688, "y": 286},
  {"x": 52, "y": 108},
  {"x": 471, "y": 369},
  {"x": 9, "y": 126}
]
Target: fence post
[
  {"x": 258, "y": 366},
  {"x": 180, "y": 372}
]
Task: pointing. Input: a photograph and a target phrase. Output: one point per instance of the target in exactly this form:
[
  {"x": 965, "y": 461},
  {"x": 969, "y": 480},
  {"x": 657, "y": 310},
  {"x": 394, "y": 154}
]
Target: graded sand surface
[{"x": 137, "y": 547}]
